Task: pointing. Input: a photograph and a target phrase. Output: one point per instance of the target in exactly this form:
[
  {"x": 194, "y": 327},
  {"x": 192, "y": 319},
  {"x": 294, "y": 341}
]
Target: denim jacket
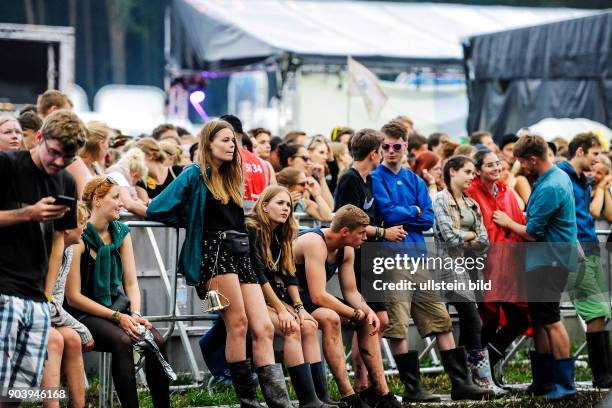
[{"x": 182, "y": 204}]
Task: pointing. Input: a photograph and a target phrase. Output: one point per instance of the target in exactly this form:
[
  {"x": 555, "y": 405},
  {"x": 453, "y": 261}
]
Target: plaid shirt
[
  {"x": 447, "y": 228},
  {"x": 449, "y": 241}
]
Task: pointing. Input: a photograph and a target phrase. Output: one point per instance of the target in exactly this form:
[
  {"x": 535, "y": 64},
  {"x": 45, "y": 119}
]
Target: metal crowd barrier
[{"x": 176, "y": 319}]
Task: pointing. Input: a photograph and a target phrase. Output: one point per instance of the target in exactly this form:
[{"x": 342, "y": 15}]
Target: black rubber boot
[
  {"x": 541, "y": 373},
  {"x": 320, "y": 382},
  {"x": 598, "y": 345},
  {"x": 244, "y": 383},
  {"x": 462, "y": 386},
  {"x": 273, "y": 386},
  {"x": 301, "y": 378},
  {"x": 384, "y": 401},
  {"x": 410, "y": 375},
  {"x": 354, "y": 401}
]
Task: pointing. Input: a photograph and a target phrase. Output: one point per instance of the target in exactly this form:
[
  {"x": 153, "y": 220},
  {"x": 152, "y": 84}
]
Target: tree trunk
[
  {"x": 88, "y": 50},
  {"x": 72, "y": 13},
  {"x": 40, "y": 6},
  {"x": 117, "y": 19},
  {"x": 29, "y": 10}
]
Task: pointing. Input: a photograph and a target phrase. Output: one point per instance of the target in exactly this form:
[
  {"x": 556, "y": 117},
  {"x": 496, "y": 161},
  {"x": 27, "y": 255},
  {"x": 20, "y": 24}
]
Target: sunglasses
[
  {"x": 396, "y": 146},
  {"x": 316, "y": 139},
  {"x": 305, "y": 158},
  {"x": 110, "y": 180}
]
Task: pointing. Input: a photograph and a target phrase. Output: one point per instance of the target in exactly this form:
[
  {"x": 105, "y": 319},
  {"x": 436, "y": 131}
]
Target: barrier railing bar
[{"x": 175, "y": 316}]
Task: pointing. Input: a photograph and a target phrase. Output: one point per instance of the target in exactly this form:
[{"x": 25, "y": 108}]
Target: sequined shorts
[{"x": 226, "y": 262}]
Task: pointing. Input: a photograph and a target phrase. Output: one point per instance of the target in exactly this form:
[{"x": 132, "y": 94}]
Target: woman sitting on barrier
[
  {"x": 271, "y": 229},
  {"x": 102, "y": 291},
  {"x": 460, "y": 234},
  {"x": 206, "y": 198},
  {"x": 305, "y": 193}
]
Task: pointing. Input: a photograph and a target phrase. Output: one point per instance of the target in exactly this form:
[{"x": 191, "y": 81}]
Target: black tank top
[{"x": 330, "y": 268}]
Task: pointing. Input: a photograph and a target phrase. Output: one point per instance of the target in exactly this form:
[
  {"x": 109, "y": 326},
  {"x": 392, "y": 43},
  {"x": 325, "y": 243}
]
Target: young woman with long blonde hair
[
  {"x": 271, "y": 229},
  {"x": 206, "y": 198}
]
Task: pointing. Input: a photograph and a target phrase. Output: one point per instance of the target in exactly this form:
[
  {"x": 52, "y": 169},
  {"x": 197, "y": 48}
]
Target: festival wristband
[
  {"x": 297, "y": 306},
  {"x": 116, "y": 316},
  {"x": 355, "y": 317}
]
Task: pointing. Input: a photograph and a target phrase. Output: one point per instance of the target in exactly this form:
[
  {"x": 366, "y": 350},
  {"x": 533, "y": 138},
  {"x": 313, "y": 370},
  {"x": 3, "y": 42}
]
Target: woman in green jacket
[{"x": 206, "y": 199}]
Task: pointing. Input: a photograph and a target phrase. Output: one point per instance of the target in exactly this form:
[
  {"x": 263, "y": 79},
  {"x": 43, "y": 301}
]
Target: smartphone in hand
[{"x": 64, "y": 200}]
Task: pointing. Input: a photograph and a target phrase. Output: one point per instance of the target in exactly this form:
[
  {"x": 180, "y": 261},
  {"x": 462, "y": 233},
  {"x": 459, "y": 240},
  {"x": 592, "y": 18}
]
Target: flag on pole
[{"x": 363, "y": 82}]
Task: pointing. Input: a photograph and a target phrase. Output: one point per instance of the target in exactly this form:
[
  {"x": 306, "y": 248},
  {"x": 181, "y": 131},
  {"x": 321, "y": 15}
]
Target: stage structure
[
  {"x": 559, "y": 70},
  {"x": 298, "y": 43},
  {"x": 36, "y": 58}
]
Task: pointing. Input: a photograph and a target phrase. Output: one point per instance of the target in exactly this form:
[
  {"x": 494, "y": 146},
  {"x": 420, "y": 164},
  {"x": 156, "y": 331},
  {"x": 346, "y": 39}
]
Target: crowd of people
[{"x": 68, "y": 281}]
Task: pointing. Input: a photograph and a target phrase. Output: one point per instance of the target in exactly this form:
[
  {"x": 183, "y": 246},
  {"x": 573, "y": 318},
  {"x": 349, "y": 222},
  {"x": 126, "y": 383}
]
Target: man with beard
[
  {"x": 586, "y": 286},
  {"x": 551, "y": 227}
]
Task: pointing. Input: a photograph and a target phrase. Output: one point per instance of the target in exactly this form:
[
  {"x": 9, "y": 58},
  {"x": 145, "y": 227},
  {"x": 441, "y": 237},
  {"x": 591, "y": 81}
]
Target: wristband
[
  {"x": 137, "y": 314},
  {"x": 116, "y": 316},
  {"x": 355, "y": 316},
  {"x": 297, "y": 306},
  {"x": 48, "y": 297},
  {"x": 432, "y": 185}
]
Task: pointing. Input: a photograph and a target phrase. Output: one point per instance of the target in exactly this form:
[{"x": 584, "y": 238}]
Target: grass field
[{"x": 517, "y": 373}]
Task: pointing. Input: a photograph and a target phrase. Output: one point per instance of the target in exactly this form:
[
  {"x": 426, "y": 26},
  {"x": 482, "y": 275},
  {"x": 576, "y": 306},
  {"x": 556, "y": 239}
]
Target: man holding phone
[{"x": 31, "y": 221}]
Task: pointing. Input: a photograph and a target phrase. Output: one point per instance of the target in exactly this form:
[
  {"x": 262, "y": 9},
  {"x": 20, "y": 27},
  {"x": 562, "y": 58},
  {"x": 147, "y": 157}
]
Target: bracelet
[
  {"x": 116, "y": 316},
  {"x": 48, "y": 297},
  {"x": 355, "y": 316},
  {"x": 137, "y": 314},
  {"x": 432, "y": 185},
  {"x": 297, "y": 306}
]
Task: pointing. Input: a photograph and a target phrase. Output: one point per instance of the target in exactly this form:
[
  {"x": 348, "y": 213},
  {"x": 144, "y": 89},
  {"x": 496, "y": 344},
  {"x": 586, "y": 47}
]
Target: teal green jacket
[{"x": 182, "y": 204}]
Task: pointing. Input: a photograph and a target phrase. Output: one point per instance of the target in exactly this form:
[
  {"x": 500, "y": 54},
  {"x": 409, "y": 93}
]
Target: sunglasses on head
[
  {"x": 396, "y": 146},
  {"x": 315, "y": 139}
]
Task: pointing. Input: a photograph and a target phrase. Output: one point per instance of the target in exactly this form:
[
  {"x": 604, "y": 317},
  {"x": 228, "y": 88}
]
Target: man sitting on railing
[{"x": 318, "y": 254}]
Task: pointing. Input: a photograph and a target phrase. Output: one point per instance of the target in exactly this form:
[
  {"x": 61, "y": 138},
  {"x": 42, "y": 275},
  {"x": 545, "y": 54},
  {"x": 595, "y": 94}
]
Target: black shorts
[
  {"x": 217, "y": 260},
  {"x": 545, "y": 286}
]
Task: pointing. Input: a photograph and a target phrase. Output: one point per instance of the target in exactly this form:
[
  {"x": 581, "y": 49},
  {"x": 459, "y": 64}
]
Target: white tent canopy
[{"x": 222, "y": 31}]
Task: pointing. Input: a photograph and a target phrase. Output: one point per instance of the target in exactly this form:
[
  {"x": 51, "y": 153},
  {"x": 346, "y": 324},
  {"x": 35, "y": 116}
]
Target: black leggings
[
  {"x": 110, "y": 338},
  {"x": 470, "y": 325},
  {"x": 517, "y": 321}
]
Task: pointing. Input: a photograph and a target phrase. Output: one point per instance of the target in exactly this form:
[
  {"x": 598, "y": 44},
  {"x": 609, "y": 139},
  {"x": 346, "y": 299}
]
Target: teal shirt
[
  {"x": 551, "y": 219},
  {"x": 182, "y": 204}
]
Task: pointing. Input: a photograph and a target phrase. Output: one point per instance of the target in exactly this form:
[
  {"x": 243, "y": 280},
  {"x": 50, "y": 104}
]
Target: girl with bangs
[
  {"x": 206, "y": 199},
  {"x": 271, "y": 229}
]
